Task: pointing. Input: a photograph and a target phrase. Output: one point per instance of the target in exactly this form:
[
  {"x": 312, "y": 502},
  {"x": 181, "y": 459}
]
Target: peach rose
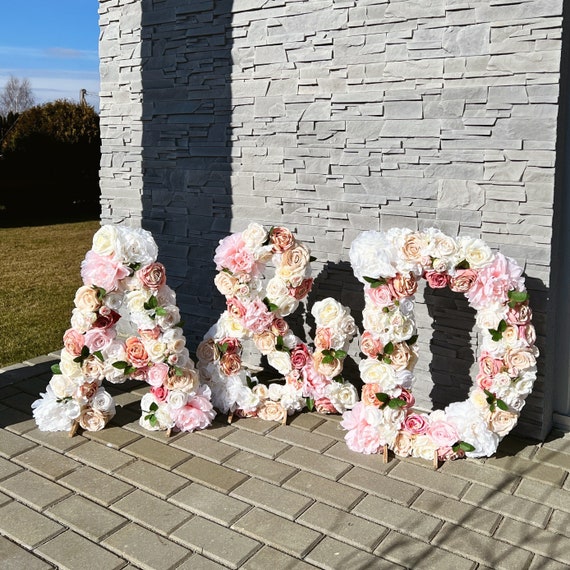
[
  {"x": 403, "y": 285},
  {"x": 87, "y": 299},
  {"x": 265, "y": 341},
  {"x": 502, "y": 422},
  {"x": 380, "y": 296},
  {"x": 230, "y": 364},
  {"x": 235, "y": 307},
  {"x": 402, "y": 356},
  {"x": 323, "y": 336},
  {"x": 462, "y": 281},
  {"x": 519, "y": 359},
  {"x": 370, "y": 345},
  {"x": 519, "y": 315},
  {"x": 207, "y": 351},
  {"x": 73, "y": 341},
  {"x": 368, "y": 396},
  {"x": 403, "y": 444},
  {"x": 136, "y": 352},
  {"x": 93, "y": 368},
  {"x": 93, "y": 420},
  {"x": 225, "y": 283},
  {"x": 293, "y": 264},
  {"x": 413, "y": 246},
  {"x": 186, "y": 382},
  {"x": 272, "y": 411},
  {"x": 87, "y": 390},
  {"x": 328, "y": 369},
  {"x": 282, "y": 239}
]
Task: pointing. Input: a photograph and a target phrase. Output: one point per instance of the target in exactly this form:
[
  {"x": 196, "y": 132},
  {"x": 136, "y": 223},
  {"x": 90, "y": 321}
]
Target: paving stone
[
  {"x": 542, "y": 563},
  {"x": 481, "y": 548},
  {"x": 210, "y": 504},
  {"x": 16, "y": 421},
  {"x": 543, "y": 542},
  {"x": 332, "y": 430},
  {"x": 205, "y": 447},
  {"x": 255, "y": 425},
  {"x": 8, "y": 469},
  {"x": 215, "y": 541},
  {"x": 558, "y": 440},
  {"x": 306, "y": 420},
  {"x": 427, "y": 478},
  {"x": 559, "y": 523},
  {"x": 474, "y": 471},
  {"x": 85, "y": 517},
  {"x": 4, "y": 499},
  {"x": 150, "y": 511},
  {"x": 301, "y": 438},
  {"x": 554, "y": 458},
  {"x": 151, "y": 478},
  {"x": 69, "y": 551},
  {"x": 218, "y": 429},
  {"x": 258, "y": 444},
  {"x": 211, "y": 474},
  {"x": 315, "y": 463},
  {"x": 397, "y": 517},
  {"x": 112, "y": 436},
  {"x": 160, "y": 454},
  {"x": 277, "y": 532},
  {"x": 25, "y": 526},
  {"x": 14, "y": 557},
  {"x": 508, "y": 505},
  {"x": 34, "y": 490},
  {"x": 260, "y": 467},
  {"x": 474, "y": 517},
  {"x": 12, "y": 444},
  {"x": 381, "y": 485},
  {"x": 47, "y": 463},
  {"x": 343, "y": 526},
  {"x": 324, "y": 490},
  {"x": 146, "y": 549},
  {"x": 372, "y": 462},
  {"x": 272, "y": 498},
  {"x": 332, "y": 554},
  {"x": 198, "y": 562},
  {"x": 412, "y": 553},
  {"x": 100, "y": 456},
  {"x": 56, "y": 440},
  {"x": 528, "y": 469},
  {"x": 96, "y": 485},
  {"x": 268, "y": 557}
]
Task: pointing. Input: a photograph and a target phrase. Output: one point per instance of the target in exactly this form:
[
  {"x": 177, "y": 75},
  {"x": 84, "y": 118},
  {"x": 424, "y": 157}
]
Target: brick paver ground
[{"x": 258, "y": 495}]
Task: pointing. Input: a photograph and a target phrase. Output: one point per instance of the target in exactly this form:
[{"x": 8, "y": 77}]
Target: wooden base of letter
[
  {"x": 435, "y": 460},
  {"x": 73, "y": 429},
  {"x": 230, "y": 417},
  {"x": 168, "y": 433},
  {"x": 385, "y": 454}
]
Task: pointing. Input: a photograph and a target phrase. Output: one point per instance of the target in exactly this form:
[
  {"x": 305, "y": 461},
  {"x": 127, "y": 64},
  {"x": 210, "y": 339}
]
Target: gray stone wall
[{"x": 333, "y": 117}]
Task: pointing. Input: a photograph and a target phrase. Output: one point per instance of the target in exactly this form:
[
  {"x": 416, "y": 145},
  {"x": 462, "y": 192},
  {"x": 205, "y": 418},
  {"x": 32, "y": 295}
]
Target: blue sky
[{"x": 54, "y": 44}]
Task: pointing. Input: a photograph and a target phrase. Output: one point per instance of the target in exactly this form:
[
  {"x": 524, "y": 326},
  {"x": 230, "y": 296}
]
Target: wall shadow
[{"x": 186, "y": 147}]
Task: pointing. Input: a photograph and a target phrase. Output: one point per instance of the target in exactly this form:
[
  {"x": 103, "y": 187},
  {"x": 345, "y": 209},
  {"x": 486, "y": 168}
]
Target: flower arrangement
[
  {"x": 125, "y": 324},
  {"x": 258, "y": 312},
  {"x": 390, "y": 265}
]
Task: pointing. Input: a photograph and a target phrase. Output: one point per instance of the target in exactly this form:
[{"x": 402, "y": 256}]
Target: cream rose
[
  {"x": 272, "y": 411},
  {"x": 87, "y": 299}
]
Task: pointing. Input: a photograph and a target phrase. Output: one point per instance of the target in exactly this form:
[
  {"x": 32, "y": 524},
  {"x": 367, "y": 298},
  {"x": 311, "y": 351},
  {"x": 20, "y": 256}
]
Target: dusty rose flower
[
  {"x": 265, "y": 342},
  {"x": 93, "y": 368},
  {"x": 403, "y": 444},
  {"x": 293, "y": 264},
  {"x": 324, "y": 406},
  {"x": 106, "y": 318},
  {"x": 73, "y": 341},
  {"x": 93, "y": 420},
  {"x": 489, "y": 365},
  {"x": 380, "y": 296},
  {"x": 300, "y": 356},
  {"x": 152, "y": 276},
  {"x": 282, "y": 239},
  {"x": 99, "y": 339},
  {"x": 279, "y": 326},
  {"x": 527, "y": 333},
  {"x": 461, "y": 282},
  {"x": 370, "y": 345},
  {"x": 302, "y": 290},
  {"x": 149, "y": 334},
  {"x": 87, "y": 299},
  {"x": 484, "y": 382},
  {"x": 323, "y": 336},
  {"x": 136, "y": 352},
  {"x": 408, "y": 397},
  {"x": 436, "y": 280},
  {"x": 272, "y": 411},
  {"x": 402, "y": 356},
  {"x": 403, "y": 285},
  {"x": 416, "y": 424},
  {"x": 447, "y": 454},
  {"x": 519, "y": 315},
  {"x": 185, "y": 382},
  {"x": 235, "y": 307},
  {"x": 231, "y": 345},
  {"x": 230, "y": 364},
  {"x": 87, "y": 390}
]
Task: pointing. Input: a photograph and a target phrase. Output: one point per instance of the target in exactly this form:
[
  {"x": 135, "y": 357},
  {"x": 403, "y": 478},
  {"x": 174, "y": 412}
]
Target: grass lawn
[{"x": 40, "y": 273}]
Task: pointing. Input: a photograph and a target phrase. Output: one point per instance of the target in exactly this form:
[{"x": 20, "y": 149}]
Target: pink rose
[
  {"x": 257, "y": 317},
  {"x": 325, "y": 406},
  {"x": 519, "y": 314},
  {"x": 436, "y": 280},
  {"x": 198, "y": 413},
  {"x": 279, "y": 326},
  {"x": 102, "y": 271},
  {"x": 361, "y": 436},
  {"x": 323, "y": 338},
  {"x": 484, "y": 381},
  {"x": 235, "y": 307},
  {"x": 282, "y": 239},
  {"x": 408, "y": 397},
  {"x": 494, "y": 281},
  {"x": 232, "y": 254},
  {"x": 403, "y": 285},
  {"x": 416, "y": 424},
  {"x": 442, "y": 433},
  {"x": 160, "y": 393},
  {"x": 73, "y": 341},
  {"x": 462, "y": 281},
  {"x": 300, "y": 355},
  {"x": 99, "y": 339},
  {"x": 152, "y": 276},
  {"x": 313, "y": 382},
  {"x": 136, "y": 352},
  {"x": 157, "y": 374},
  {"x": 150, "y": 334},
  {"x": 302, "y": 290},
  {"x": 380, "y": 296}
]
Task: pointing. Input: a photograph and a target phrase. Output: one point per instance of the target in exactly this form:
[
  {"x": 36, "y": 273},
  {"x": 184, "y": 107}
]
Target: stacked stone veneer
[{"x": 333, "y": 117}]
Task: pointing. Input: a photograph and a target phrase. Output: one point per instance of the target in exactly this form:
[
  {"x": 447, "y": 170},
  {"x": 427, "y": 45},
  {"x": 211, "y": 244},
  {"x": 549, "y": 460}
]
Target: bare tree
[{"x": 17, "y": 96}]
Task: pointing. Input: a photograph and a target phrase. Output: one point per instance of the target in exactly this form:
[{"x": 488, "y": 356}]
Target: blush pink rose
[
  {"x": 416, "y": 424},
  {"x": 313, "y": 383},
  {"x": 361, "y": 436},
  {"x": 257, "y": 316},
  {"x": 323, "y": 338},
  {"x": 99, "y": 339},
  {"x": 102, "y": 271},
  {"x": 436, "y": 280},
  {"x": 300, "y": 356},
  {"x": 325, "y": 406},
  {"x": 160, "y": 393},
  {"x": 462, "y": 281},
  {"x": 380, "y": 296},
  {"x": 494, "y": 281},
  {"x": 235, "y": 307},
  {"x": 442, "y": 433},
  {"x": 73, "y": 341},
  {"x": 198, "y": 413},
  {"x": 157, "y": 374},
  {"x": 152, "y": 276},
  {"x": 232, "y": 254}
]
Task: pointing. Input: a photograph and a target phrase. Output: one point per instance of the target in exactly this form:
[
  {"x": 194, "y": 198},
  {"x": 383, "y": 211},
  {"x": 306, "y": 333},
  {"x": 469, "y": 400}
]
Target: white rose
[
  {"x": 328, "y": 312},
  {"x": 228, "y": 325},
  {"x": 156, "y": 349},
  {"x": 137, "y": 246},
  {"x": 280, "y": 361},
  {"x": 475, "y": 252},
  {"x": 489, "y": 317},
  {"x": 275, "y": 391},
  {"x": 343, "y": 396},
  {"x": 136, "y": 300},
  {"x": 106, "y": 240},
  {"x": 177, "y": 399},
  {"x": 423, "y": 447},
  {"x": 292, "y": 399},
  {"x": 103, "y": 401},
  {"x": 62, "y": 386},
  {"x": 82, "y": 321},
  {"x": 170, "y": 319},
  {"x": 373, "y": 371},
  {"x": 247, "y": 399},
  {"x": 254, "y": 236},
  {"x": 372, "y": 255},
  {"x": 68, "y": 367}
]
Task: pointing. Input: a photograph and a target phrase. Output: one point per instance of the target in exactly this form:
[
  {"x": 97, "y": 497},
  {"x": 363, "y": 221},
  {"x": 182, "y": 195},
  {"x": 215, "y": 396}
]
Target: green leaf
[
  {"x": 153, "y": 421},
  {"x": 339, "y": 379},
  {"x": 151, "y": 304},
  {"x": 389, "y": 348},
  {"x": 328, "y": 359},
  {"x": 518, "y": 296},
  {"x": 387, "y": 360},
  {"x": 340, "y": 354},
  {"x": 121, "y": 365},
  {"x": 272, "y": 307},
  {"x": 178, "y": 371},
  {"x": 502, "y": 326},
  {"x": 462, "y": 265},
  {"x": 55, "y": 369},
  {"x": 99, "y": 355},
  {"x": 383, "y": 397},
  {"x": 160, "y": 312},
  {"x": 100, "y": 292},
  {"x": 396, "y": 403},
  {"x": 153, "y": 407},
  {"x": 502, "y": 406},
  {"x": 496, "y": 335},
  {"x": 463, "y": 446},
  {"x": 222, "y": 347},
  {"x": 375, "y": 282},
  {"x": 412, "y": 340},
  {"x": 310, "y": 404}
]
